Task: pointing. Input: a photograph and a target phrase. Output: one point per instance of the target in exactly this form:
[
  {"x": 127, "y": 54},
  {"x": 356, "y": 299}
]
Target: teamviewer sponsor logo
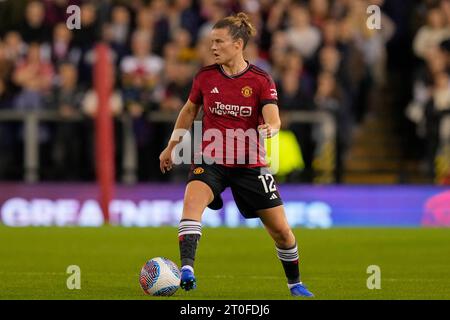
[
  {"x": 246, "y": 111},
  {"x": 222, "y": 109}
]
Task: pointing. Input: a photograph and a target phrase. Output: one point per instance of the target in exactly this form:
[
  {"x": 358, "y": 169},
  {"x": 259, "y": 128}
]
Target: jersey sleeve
[
  {"x": 268, "y": 92},
  {"x": 196, "y": 95}
]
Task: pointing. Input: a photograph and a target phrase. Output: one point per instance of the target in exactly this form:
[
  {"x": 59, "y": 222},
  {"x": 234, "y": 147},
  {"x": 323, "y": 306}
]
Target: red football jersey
[{"x": 232, "y": 106}]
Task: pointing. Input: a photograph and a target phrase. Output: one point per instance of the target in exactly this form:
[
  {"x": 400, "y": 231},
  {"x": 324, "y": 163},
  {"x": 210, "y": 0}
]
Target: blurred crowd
[
  {"x": 431, "y": 80},
  {"x": 321, "y": 54}
]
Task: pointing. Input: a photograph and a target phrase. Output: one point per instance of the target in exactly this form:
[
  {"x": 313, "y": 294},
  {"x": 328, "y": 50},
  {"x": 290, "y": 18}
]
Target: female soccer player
[{"x": 235, "y": 95}]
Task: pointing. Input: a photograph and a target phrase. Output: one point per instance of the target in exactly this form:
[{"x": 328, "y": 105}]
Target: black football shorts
[{"x": 253, "y": 189}]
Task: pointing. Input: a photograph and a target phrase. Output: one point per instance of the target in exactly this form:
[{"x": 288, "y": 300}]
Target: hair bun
[
  {"x": 244, "y": 21},
  {"x": 243, "y": 17},
  {"x": 239, "y": 26}
]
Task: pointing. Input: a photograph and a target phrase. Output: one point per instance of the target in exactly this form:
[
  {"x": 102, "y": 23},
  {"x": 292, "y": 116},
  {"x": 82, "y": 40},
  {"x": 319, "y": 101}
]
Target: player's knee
[
  {"x": 192, "y": 209},
  {"x": 284, "y": 238}
]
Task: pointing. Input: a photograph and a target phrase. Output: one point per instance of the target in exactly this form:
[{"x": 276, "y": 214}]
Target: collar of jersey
[{"x": 237, "y": 75}]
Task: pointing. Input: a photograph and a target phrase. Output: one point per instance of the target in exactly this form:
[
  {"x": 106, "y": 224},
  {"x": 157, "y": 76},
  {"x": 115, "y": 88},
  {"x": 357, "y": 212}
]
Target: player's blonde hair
[{"x": 239, "y": 27}]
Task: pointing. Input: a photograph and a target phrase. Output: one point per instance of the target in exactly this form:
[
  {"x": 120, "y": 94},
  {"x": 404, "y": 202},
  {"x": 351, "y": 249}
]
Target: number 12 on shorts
[{"x": 271, "y": 187}]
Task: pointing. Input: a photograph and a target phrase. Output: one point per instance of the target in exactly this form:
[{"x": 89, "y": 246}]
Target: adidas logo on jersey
[
  {"x": 215, "y": 90},
  {"x": 273, "y": 196}
]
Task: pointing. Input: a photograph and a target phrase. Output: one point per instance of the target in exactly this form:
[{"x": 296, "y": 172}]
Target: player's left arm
[
  {"x": 270, "y": 113},
  {"x": 272, "y": 122}
]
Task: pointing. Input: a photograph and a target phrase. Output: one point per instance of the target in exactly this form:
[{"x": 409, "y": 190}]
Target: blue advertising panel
[{"x": 161, "y": 204}]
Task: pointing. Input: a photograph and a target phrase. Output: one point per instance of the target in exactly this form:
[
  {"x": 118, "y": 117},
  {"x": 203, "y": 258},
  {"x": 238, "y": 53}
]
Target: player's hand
[
  {"x": 165, "y": 160},
  {"x": 266, "y": 130}
]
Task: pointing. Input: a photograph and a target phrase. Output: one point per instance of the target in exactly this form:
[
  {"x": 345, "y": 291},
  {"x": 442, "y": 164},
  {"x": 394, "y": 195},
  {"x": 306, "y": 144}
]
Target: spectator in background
[
  {"x": 329, "y": 97},
  {"x": 330, "y": 60},
  {"x": 372, "y": 42},
  {"x": 330, "y": 33},
  {"x": 171, "y": 53},
  {"x": 88, "y": 32},
  {"x": 145, "y": 21},
  {"x": 211, "y": 12},
  {"x": 140, "y": 74},
  {"x": 292, "y": 98},
  {"x": 277, "y": 53},
  {"x": 445, "y": 7},
  {"x": 301, "y": 35},
  {"x": 355, "y": 74},
  {"x": 56, "y": 11},
  {"x": 34, "y": 77},
  {"x": 432, "y": 34},
  {"x": 66, "y": 94},
  {"x": 66, "y": 98},
  {"x": 291, "y": 94},
  {"x": 319, "y": 12},
  {"x": 89, "y": 104},
  {"x": 182, "y": 40},
  {"x": 6, "y": 98},
  {"x": 438, "y": 103},
  {"x": 6, "y": 71},
  {"x": 421, "y": 110},
  {"x": 178, "y": 80},
  {"x": 294, "y": 62},
  {"x": 441, "y": 92},
  {"x": 34, "y": 29},
  {"x": 120, "y": 24},
  {"x": 89, "y": 108},
  {"x": 204, "y": 54},
  {"x": 276, "y": 19},
  {"x": 7, "y": 130},
  {"x": 162, "y": 34},
  {"x": 61, "y": 47},
  {"x": 445, "y": 48},
  {"x": 15, "y": 48},
  {"x": 84, "y": 39},
  {"x": 251, "y": 53},
  {"x": 431, "y": 92},
  {"x": 183, "y": 15},
  {"x": 141, "y": 88},
  {"x": 330, "y": 39},
  {"x": 116, "y": 33}
]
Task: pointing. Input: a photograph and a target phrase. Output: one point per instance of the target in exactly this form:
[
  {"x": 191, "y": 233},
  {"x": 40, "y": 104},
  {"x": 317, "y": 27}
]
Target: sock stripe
[
  {"x": 190, "y": 223},
  {"x": 182, "y": 233},
  {"x": 291, "y": 250},
  {"x": 288, "y": 254},
  {"x": 288, "y": 259},
  {"x": 189, "y": 227}
]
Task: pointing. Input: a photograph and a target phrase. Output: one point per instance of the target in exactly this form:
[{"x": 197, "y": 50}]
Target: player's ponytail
[{"x": 239, "y": 26}]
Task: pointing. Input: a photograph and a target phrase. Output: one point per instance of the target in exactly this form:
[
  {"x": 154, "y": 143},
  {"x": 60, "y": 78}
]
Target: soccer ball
[{"x": 160, "y": 277}]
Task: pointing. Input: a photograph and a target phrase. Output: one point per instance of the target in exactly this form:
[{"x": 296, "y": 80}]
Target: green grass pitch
[{"x": 231, "y": 263}]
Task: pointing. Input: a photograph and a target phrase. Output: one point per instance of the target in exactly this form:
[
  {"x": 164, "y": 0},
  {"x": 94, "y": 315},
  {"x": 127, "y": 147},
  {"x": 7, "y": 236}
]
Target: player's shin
[
  {"x": 189, "y": 233},
  {"x": 289, "y": 260}
]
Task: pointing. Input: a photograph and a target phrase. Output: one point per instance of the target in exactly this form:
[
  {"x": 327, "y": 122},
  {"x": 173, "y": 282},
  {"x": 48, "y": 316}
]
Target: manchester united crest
[
  {"x": 246, "y": 91},
  {"x": 199, "y": 170}
]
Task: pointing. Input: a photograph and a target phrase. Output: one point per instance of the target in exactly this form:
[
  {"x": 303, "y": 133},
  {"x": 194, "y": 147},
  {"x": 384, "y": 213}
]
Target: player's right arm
[{"x": 184, "y": 122}]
